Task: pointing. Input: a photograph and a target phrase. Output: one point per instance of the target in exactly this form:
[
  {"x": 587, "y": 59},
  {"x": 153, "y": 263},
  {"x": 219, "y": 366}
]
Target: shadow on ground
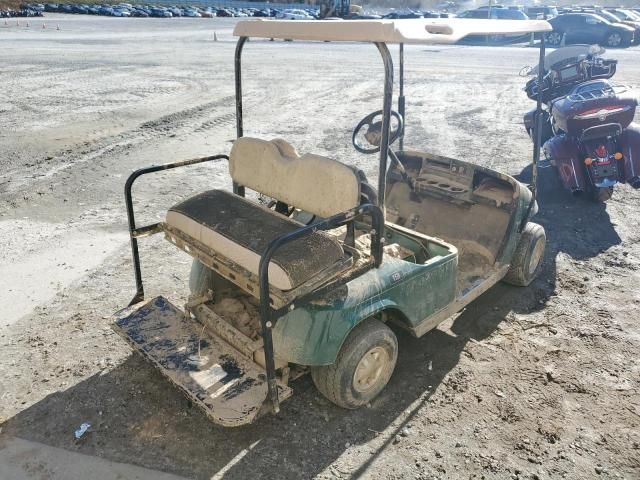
[
  {"x": 139, "y": 418},
  {"x": 575, "y": 225}
]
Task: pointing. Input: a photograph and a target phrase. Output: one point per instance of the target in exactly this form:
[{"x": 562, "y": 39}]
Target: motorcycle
[{"x": 586, "y": 129}]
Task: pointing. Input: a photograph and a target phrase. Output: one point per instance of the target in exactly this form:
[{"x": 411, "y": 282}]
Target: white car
[
  {"x": 121, "y": 12},
  {"x": 294, "y": 14}
]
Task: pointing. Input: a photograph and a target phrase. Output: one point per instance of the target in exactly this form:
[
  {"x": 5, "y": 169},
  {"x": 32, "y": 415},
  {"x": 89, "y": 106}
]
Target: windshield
[{"x": 563, "y": 55}]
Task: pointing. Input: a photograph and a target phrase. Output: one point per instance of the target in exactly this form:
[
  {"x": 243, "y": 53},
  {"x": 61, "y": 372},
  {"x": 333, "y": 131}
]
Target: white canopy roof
[{"x": 423, "y": 30}]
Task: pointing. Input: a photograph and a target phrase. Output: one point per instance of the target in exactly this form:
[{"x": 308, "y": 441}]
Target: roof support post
[
  {"x": 386, "y": 123},
  {"x": 401, "y": 100},
  {"x": 239, "y": 189},
  {"x": 537, "y": 139}
]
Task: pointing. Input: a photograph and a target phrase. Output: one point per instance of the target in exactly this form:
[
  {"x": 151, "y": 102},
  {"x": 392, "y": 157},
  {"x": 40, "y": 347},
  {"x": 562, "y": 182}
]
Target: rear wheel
[
  {"x": 554, "y": 38},
  {"x": 601, "y": 194},
  {"x": 363, "y": 367},
  {"x": 527, "y": 259}
]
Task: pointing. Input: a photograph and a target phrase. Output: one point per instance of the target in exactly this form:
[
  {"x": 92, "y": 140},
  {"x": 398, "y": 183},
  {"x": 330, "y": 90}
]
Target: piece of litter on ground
[{"x": 82, "y": 430}]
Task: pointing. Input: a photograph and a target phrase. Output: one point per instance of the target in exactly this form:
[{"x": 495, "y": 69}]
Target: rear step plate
[{"x": 230, "y": 388}]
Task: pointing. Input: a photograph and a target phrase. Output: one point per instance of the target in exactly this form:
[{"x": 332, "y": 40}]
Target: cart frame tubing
[
  {"x": 267, "y": 319},
  {"x": 135, "y": 232},
  {"x": 537, "y": 138},
  {"x": 386, "y": 112},
  {"x": 377, "y": 212},
  {"x": 401, "y": 99}
]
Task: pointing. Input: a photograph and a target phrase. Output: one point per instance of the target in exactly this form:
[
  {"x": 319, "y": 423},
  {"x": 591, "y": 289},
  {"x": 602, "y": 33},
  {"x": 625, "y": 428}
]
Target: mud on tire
[
  {"x": 363, "y": 367},
  {"x": 527, "y": 259}
]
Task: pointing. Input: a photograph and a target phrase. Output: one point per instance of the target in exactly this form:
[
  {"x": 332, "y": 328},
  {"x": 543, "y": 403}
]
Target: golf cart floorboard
[{"x": 230, "y": 388}]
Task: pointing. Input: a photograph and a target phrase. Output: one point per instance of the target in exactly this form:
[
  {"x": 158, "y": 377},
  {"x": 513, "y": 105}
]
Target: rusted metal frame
[
  {"x": 135, "y": 232},
  {"x": 239, "y": 189},
  {"x": 537, "y": 138},
  {"x": 401, "y": 98},
  {"x": 386, "y": 121},
  {"x": 267, "y": 320}
]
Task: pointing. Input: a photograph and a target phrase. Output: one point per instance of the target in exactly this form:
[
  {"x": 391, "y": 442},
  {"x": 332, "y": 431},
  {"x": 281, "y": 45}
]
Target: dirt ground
[{"x": 539, "y": 382}]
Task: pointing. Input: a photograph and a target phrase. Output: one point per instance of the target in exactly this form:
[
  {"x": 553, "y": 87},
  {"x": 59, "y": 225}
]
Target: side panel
[
  {"x": 564, "y": 154},
  {"x": 313, "y": 334},
  {"x": 630, "y": 147}
]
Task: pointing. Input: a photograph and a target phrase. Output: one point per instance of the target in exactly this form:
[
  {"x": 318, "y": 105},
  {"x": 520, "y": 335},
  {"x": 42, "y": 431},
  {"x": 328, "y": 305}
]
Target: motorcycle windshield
[{"x": 562, "y": 56}]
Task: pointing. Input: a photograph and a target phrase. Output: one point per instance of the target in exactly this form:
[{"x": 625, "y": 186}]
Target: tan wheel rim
[
  {"x": 370, "y": 369},
  {"x": 536, "y": 256}
]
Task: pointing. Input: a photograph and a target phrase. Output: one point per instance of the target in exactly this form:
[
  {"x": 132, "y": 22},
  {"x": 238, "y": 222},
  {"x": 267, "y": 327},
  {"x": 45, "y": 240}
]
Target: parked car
[
  {"x": 609, "y": 15},
  {"x": 497, "y": 13},
  {"x": 589, "y": 28},
  {"x": 223, "y": 12},
  {"x": 407, "y": 14},
  {"x": 540, "y": 12},
  {"x": 627, "y": 17},
  {"x": 294, "y": 14}
]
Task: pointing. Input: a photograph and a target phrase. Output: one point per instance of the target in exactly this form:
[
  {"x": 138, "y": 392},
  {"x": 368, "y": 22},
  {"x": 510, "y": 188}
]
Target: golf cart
[{"x": 309, "y": 282}]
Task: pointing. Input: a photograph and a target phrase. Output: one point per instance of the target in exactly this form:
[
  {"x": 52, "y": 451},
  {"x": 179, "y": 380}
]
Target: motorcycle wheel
[{"x": 603, "y": 194}]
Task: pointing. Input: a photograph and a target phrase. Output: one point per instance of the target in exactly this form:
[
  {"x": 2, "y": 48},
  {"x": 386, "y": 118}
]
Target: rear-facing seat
[{"x": 240, "y": 230}]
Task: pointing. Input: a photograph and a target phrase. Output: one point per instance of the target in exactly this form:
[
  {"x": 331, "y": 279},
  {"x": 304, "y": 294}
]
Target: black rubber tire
[
  {"x": 336, "y": 381},
  {"x": 522, "y": 272},
  {"x": 622, "y": 44},
  {"x": 601, "y": 195}
]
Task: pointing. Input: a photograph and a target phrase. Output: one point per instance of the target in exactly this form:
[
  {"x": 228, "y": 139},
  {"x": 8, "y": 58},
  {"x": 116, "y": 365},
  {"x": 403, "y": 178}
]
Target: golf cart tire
[
  {"x": 337, "y": 381},
  {"x": 520, "y": 273},
  {"x": 601, "y": 195}
]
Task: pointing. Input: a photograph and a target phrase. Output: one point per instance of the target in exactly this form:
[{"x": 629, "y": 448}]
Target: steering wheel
[{"x": 373, "y": 133}]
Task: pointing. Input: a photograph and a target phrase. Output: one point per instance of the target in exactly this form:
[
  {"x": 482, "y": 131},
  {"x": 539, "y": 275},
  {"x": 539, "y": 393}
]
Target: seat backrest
[{"x": 313, "y": 183}]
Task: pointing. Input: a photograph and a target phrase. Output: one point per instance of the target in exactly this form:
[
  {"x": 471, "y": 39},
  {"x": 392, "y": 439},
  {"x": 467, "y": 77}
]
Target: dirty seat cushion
[{"x": 241, "y": 230}]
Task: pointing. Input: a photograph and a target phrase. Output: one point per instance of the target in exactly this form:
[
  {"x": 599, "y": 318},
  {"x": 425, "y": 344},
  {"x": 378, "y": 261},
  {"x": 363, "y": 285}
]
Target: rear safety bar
[
  {"x": 267, "y": 317},
  {"x": 135, "y": 232},
  {"x": 267, "y": 320}
]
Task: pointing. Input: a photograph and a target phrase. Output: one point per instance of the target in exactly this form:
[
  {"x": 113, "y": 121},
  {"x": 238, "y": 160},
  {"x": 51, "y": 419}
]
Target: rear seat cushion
[
  {"x": 313, "y": 183},
  {"x": 241, "y": 230}
]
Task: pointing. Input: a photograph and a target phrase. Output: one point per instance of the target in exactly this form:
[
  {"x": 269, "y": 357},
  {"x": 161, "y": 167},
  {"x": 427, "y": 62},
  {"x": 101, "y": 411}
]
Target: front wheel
[
  {"x": 527, "y": 259},
  {"x": 614, "y": 40},
  {"x": 363, "y": 367},
  {"x": 554, "y": 38}
]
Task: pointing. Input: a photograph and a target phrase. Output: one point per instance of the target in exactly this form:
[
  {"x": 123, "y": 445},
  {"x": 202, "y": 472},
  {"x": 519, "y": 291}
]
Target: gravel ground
[{"x": 540, "y": 382}]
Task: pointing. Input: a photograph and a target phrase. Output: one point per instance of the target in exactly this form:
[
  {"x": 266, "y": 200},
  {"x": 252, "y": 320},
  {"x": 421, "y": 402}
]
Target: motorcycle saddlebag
[
  {"x": 630, "y": 147},
  {"x": 563, "y": 153}
]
